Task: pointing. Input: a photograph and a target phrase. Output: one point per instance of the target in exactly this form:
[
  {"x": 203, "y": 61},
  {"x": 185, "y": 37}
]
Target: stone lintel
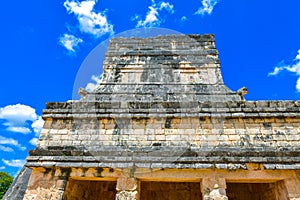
[{"x": 163, "y": 174}]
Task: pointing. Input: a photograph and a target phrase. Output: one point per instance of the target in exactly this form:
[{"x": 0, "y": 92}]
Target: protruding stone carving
[
  {"x": 82, "y": 92},
  {"x": 242, "y": 92}
]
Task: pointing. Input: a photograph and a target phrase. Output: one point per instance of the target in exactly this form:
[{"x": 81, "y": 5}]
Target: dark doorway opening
[
  {"x": 256, "y": 191},
  {"x": 90, "y": 190}
]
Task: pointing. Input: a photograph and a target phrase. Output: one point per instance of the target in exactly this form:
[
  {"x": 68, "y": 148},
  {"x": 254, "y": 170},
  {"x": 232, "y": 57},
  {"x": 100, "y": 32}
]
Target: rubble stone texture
[{"x": 162, "y": 125}]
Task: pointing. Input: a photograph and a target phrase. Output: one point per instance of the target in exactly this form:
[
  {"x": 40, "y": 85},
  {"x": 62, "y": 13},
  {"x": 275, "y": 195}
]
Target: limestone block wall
[
  {"x": 205, "y": 132},
  {"x": 168, "y": 68},
  {"x": 169, "y": 59}
]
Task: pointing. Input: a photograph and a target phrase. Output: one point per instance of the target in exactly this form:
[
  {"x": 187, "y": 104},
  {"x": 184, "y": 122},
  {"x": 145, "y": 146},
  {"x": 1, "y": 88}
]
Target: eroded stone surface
[
  {"x": 126, "y": 195},
  {"x": 124, "y": 183},
  {"x": 19, "y": 186}
]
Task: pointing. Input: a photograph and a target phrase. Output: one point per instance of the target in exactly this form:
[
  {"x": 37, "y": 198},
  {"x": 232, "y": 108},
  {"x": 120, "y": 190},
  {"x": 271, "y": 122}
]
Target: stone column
[
  {"x": 292, "y": 186},
  {"x": 127, "y": 189},
  {"x": 213, "y": 189}
]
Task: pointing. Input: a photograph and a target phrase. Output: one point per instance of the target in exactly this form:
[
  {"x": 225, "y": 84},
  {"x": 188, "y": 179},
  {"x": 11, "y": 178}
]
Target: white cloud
[
  {"x": 17, "y": 115},
  {"x": 152, "y": 17},
  {"x": 12, "y": 142},
  {"x": 37, "y": 126},
  {"x": 6, "y": 149},
  {"x": 18, "y": 118},
  {"x": 276, "y": 71},
  {"x": 183, "y": 19},
  {"x": 70, "y": 42},
  {"x": 92, "y": 86},
  {"x": 17, "y": 129},
  {"x": 298, "y": 55},
  {"x": 166, "y": 5},
  {"x": 207, "y": 7},
  {"x": 34, "y": 141},
  {"x": 293, "y": 67},
  {"x": 14, "y": 163},
  {"x": 298, "y": 85},
  {"x": 2, "y": 167},
  {"x": 90, "y": 22}
]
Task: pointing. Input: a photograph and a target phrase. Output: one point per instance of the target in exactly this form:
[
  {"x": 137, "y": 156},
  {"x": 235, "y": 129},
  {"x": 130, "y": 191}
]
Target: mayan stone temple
[{"x": 163, "y": 125}]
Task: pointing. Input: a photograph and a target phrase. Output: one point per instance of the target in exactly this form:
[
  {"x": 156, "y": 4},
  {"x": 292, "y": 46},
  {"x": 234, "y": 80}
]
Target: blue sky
[{"x": 44, "y": 43}]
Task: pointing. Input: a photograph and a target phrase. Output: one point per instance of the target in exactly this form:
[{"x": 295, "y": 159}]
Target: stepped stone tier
[{"x": 163, "y": 125}]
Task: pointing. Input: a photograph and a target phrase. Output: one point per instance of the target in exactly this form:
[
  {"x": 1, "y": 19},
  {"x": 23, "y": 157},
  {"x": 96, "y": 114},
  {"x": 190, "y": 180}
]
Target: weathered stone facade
[{"x": 162, "y": 125}]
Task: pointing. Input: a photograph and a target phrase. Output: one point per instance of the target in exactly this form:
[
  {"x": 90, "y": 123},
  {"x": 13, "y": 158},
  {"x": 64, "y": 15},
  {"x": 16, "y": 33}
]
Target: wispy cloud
[
  {"x": 23, "y": 130},
  {"x": 152, "y": 17},
  {"x": 207, "y": 7},
  {"x": 70, "y": 42},
  {"x": 90, "y": 21},
  {"x": 167, "y": 6},
  {"x": 6, "y": 149},
  {"x": 37, "y": 125},
  {"x": 11, "y": 142},
  {"x": 292, "y": 66},
  {"x": 276, "y": 71},
  {"x": 34, "y": 141},
  {"x": 92, "y": 85},
  {"x": 183, "y": 19},
  {"x": 14, "y": 163}
]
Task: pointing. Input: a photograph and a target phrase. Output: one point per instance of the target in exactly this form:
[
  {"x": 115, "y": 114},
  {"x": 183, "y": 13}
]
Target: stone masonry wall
[{"x": 205, "y": 132}]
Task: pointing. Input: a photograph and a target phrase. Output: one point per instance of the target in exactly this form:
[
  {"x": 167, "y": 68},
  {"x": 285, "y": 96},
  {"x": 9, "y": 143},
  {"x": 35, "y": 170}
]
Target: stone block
[
  {"x": 173, "y": 137},
  {"x": 127, "y": 195},
  {"x": 139, "y": 131},
  {"x": 126, "y": 184},
  {"x": 47, "y": 124},
  {"x": 66, "y": 143},
  {"x": 53, "y": 131},
  {"x": 160, "y": 137}
]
